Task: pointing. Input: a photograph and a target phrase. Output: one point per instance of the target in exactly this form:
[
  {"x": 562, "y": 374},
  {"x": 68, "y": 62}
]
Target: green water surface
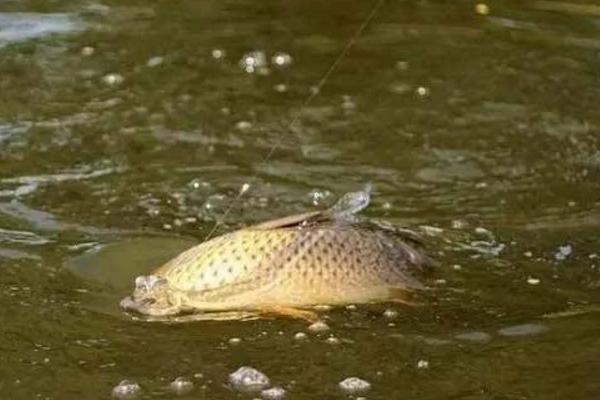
[{"x": 128, "y": 127}]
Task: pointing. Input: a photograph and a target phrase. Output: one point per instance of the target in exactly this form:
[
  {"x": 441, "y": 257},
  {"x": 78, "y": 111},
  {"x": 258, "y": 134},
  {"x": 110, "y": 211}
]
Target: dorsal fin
[
  {"x": 342, "y": 211},
  {"x": 292, "y": 220}
]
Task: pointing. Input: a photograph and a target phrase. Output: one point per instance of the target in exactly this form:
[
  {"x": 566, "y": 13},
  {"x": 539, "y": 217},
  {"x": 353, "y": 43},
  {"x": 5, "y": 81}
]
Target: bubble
[
  {"x": 390, "y": 314},
  {"x": 281, "y": 59},
  {"x": 422, "y": 91},
  {"x": 482, "y": 9},
  {"x": 248, "y": 379},
  {"x": 354, "y": 385},
  {"x": 126, "y": 390},
  {"x": 318, "y": 327},
  {"x": 300, "y": 336},
  {"x": 400, "y": 88},
  {"x": 87, "y": 51},
  {"x": 217, "y": 54},
  {"x": 274, "y": 393},
  {"x": 318, "y": 197},
  {"x": 154, "y": 61},
  {"x": 281, "y": 88},
  {"x": 459, "y": 224},
  {"x": 563, "y": 252},
  {"x": 113, "y": 79},
  {"x": 528, "y": 254},
  {"x": 482, "y": 231},
  {"x": 254, "y": 60},
  {"x": 422, "y": 364},
  {"x": 457, "y": 267},
  {"x": 181, "y": 386},
  {"x": 533, "y": 281},
  {"x": 332, "y": 340},
  {"x": 245, "y": 188},
  {"x": 199, "y": 184},
  {"x": 347, "y": 103},
  {"x": 234, "y": 341},
  {"x": 243, "y": 125}
]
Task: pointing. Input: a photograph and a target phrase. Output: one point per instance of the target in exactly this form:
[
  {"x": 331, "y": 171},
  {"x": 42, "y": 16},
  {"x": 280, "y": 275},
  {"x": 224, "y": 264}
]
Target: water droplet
[
  {"x": 354, "y": 385},
  {"x": 181, "y": 386},
  {"x": 282, "y": 59},
  {"x": 126, "y": 390},
  {"x": 248, "y": 379},
  {"x": 422, "y": 364},
  {"x": 390, "y": 314},
  {"x": 274, "y": 393},
  {"x": 318, "y": 327},
  {"x": 457, "y": 267}
]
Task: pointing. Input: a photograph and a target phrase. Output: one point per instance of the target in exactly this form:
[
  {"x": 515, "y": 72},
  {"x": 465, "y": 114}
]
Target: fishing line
[{"x": 314, "y": 93}]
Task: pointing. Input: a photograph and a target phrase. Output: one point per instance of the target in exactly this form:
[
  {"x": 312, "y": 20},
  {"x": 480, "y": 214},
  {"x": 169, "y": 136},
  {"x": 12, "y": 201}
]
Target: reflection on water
[
  {"x": 475, "y": 123},
  {"x": 18, "y": 27}
]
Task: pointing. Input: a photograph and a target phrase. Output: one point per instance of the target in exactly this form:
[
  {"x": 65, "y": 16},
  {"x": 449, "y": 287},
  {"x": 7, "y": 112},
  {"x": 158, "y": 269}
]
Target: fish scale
[
  {"x": 293, "y": 262},
  {"x": 327, "y": 264}
]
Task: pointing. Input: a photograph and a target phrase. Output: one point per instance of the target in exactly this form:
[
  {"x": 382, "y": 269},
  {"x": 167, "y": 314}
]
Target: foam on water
[{"x": 248, "y": 379}]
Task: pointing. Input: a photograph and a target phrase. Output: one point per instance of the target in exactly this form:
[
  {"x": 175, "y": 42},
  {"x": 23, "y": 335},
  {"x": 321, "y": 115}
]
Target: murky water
[{"x": 127, "y": 128}]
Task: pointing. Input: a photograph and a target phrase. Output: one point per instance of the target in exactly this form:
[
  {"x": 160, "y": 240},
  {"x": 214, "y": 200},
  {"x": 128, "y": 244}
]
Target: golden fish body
[{"x": 285, "y": 264}]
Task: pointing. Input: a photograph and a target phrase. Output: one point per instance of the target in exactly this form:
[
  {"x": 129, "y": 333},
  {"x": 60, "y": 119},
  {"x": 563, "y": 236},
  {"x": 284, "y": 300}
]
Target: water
[{"x": 461, "y": 117}]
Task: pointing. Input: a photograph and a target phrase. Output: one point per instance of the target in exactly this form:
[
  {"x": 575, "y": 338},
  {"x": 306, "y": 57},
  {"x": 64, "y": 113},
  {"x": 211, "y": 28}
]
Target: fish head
[{"x": 153, "y": 296}]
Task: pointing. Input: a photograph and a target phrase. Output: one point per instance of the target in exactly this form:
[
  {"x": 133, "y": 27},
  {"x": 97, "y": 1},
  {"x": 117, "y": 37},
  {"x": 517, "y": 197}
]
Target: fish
[{"x": 287, "y": 266}]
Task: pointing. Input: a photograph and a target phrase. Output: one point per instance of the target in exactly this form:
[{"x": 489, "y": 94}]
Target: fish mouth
[
  {"x": 151, "y": 297},
  {"x": 144, "y": 306}
]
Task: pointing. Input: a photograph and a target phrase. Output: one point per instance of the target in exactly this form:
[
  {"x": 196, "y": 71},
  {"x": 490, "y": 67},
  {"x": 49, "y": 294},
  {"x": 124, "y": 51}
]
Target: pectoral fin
[{"x": 292, "y": 312}]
